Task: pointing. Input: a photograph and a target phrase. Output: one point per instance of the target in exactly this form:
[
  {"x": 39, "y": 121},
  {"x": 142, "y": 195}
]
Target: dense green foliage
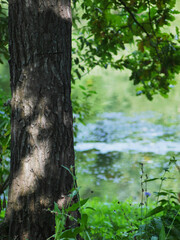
[
  {"x": 4, "y": 147},
  {"x": 117, "y": 220},
  {"x": 3, "y": 31},
  {"x": 110, "y": 26},
  {"x": 121, "y": 220}
]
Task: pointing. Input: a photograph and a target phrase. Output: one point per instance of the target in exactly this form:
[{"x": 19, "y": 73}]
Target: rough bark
[{"x": 41, "y": 119}]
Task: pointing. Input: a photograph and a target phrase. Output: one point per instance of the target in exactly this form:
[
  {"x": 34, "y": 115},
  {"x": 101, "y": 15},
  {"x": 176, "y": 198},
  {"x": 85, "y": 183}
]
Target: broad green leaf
[
  {"x": 154, "y": 211},
  {"x": 77, "y": 205},
  {"x": 71, "y": 232}
]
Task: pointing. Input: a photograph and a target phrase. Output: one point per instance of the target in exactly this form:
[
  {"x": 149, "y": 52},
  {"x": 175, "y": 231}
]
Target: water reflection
[{"x": 109, "y": 152}]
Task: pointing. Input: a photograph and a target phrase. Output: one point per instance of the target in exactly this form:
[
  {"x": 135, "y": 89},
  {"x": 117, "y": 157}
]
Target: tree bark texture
[{"x": 41, "y": 120}]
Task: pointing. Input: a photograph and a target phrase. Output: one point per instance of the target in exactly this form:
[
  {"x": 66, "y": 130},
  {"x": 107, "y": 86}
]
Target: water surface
[{"x": 110, "y": 150}]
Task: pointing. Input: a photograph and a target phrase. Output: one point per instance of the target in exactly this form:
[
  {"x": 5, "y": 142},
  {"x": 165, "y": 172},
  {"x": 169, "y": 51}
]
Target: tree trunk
[{"x": 41, "y": 120}]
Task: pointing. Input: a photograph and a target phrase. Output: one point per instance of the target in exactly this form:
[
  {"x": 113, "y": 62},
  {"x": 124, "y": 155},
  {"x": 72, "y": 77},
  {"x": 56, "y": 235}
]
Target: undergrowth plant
[
  {"x": 164, "y": 219},
  {"x": 4, "y": 150},
  {"x": 124, "y": 220},
  {"x": 69, "y": 213}
]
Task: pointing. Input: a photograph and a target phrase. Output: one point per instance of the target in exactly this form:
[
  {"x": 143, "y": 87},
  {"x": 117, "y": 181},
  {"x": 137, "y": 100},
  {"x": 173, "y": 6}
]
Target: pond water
[{"x": 109, "y": 152}]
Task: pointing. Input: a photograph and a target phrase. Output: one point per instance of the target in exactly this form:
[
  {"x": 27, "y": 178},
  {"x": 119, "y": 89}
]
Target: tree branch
[
  {"x": 132, "y": 15},
  {"x": 136, "y": 21}
]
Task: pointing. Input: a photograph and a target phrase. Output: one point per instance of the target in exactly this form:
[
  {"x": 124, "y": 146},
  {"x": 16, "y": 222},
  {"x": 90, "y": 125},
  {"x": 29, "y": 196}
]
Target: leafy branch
[{"x": 134, "y": 18}]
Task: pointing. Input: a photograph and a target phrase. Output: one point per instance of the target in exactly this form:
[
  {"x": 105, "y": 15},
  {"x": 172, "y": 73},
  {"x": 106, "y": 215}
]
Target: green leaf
[
  {"x": 90, "y": 208},
  {"x": 93, "y": 92},
  {"x": 177, "y": 32},
  {"x": 172, "y": 161},
  {"x": 67, "y": 169},
  {"x": 163, "y": 201},
  {"x": 56, "y": 208},
  {"x": 154, "y": 211},
  {"x": 76, "y": 60},
  {"x": 150, "y": 180},
  {"x": 162, "y": 235},
  {"x": 82, "y": 87},
  {"x": 78, "y": 74},
  {"x": 84, "y": 219},
  {"x": 71, "y": 232},
  {"x": 161, "y": 193},
  {"x": 77, "y": 205}
]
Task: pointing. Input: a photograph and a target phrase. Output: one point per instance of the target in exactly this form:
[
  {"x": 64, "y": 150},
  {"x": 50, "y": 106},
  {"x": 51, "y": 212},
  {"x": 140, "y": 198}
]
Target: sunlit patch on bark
[{"x": 63, "y": 201}]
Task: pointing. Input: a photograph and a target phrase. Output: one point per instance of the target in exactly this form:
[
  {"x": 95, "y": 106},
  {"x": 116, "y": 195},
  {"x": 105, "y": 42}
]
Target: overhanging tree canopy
[{"x": 109, "y": 26}]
